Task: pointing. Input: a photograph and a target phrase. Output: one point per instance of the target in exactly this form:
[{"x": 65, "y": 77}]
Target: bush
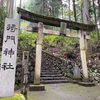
[
  {"x": 26, "y": 41},
  {"x": 3, "y": 15},
  {"x": 64, "y": 43}
]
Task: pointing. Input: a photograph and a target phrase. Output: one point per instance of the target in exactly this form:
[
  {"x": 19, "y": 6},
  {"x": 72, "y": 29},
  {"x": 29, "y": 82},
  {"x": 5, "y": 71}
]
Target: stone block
[
  {"x": 86, "y": 84},
  {"x": 36, "y": 88}
]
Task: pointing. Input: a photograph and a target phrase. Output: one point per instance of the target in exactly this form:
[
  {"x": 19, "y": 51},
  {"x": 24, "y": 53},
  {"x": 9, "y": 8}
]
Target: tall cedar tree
[{"x": 46, "y": 7}]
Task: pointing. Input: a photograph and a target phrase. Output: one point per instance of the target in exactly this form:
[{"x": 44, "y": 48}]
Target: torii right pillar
[{"x": 83, "y": 56}]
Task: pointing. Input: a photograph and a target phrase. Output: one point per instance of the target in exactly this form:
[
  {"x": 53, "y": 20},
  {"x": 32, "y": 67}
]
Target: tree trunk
[
  {"x": 10, "y": 4},
  {"x": 42, "y": 7},
  {"x": 99, "y": 15},
  {"x": 81, "y": 13},
  {"x": 69, "y": 3},
  {"x": 69, "y": 11},
  {"x": 86, "y": 21},
  {"x": 62, "y": 10},
  {"x": 85, "y": 12},
  {"x": 1, "y": 2},
  {"x": 74, "y": 8},
  {"x": 99, "y": 8},
  {"x": 95, "y": 19}
]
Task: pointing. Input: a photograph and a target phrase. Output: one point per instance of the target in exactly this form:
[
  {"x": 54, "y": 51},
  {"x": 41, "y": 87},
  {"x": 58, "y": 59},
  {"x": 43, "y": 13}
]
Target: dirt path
[{"x": 66, "y": 91}]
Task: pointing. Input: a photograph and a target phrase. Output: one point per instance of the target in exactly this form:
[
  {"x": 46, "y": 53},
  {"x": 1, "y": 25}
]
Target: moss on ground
[{"x": 15, "y": 97}]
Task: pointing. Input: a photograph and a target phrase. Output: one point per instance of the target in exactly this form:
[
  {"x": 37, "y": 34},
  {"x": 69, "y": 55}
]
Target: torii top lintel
[{"x": 29, "y": 16}]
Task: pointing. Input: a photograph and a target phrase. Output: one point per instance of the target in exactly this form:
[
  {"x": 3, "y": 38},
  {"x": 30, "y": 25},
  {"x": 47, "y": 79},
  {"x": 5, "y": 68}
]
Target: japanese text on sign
[
  {"x": 11, "y": 27},
  {"x": 10, "y": 38},
  {"x": 9, "y": 52},
  {"x": 7, "y": 66},
  {"x": 9, "y": 42}
]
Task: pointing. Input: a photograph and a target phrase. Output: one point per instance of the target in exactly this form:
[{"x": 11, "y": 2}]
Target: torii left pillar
[
  {"x": 37, "y": 86},
  {"x": 38, "y": 54}
]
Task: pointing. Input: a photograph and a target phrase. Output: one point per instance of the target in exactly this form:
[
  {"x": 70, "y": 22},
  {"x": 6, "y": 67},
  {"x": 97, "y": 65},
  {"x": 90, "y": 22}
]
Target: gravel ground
[{"x": 66, "y": 91}]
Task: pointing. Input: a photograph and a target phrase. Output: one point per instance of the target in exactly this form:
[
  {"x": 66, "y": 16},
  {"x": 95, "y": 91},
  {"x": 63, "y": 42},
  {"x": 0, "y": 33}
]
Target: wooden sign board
[{"x": 8, "y": 59}]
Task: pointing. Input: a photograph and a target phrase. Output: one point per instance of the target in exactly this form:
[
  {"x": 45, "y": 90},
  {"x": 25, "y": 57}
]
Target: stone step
[
  {"x": 52, "y": 78},
  {"x": 48, "y": 75},
  {"x": 53, "y": 81},
  {"x": 49, "y": 70}
]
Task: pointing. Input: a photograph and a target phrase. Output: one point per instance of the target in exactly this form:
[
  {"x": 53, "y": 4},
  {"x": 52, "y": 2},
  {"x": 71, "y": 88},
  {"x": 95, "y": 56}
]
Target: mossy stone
[{"x": 15, "y": 97}]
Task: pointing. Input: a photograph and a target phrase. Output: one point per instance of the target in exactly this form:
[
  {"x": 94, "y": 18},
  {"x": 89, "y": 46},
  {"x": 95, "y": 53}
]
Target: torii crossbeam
[{"x": 32, "y": 17}]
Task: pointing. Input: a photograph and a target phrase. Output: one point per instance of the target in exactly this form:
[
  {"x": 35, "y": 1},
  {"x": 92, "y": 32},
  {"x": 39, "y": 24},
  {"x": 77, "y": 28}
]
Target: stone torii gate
[
  {"x": 41, "y": 31},
  {"x": 81, "y": 28}
]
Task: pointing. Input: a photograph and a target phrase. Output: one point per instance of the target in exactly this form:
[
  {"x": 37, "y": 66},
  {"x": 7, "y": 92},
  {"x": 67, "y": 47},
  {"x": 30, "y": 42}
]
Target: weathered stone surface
[
  {"x": 36, "y": 88},
  {"x": 8, "y": 59},
  {"x": 26, "y": 15},
  {"x": 66, "y": 68}
]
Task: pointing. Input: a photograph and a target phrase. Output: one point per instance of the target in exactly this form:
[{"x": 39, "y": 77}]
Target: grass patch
[{"x": 15, "y": 97}]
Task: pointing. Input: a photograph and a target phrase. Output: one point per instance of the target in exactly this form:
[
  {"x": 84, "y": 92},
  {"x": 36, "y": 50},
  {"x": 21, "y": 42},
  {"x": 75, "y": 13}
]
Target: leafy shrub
[
  {"x": 26, "y": 40},
  {"x": 94, "y": 74},
  {"x": 3, "y": 15},
  {"x": 64, "y": 43}
]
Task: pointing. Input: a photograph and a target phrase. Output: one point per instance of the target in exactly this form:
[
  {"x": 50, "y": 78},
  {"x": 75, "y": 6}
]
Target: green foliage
[
  {"x": 45, "y": 7},
  {"x": 3, "y": 15},
  {"x": 94, "y": 38},
  {"x": 64, "y": 43},
  {"x": 50, "y": 40},
  {"x": 94, "y": 74},
  {"x": 26, "y": 40},
  {"x": 15, "y": 97}
]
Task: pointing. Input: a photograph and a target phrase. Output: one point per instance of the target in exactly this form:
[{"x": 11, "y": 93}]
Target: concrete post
[
  {"x": 38, "y": 54},
  {"x": 83, "y": 56}
]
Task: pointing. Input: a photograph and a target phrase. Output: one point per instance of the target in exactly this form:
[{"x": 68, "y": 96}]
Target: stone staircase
[{"x": 50, "y": 74}]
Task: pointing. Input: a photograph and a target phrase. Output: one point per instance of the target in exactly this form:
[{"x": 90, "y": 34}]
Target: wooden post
[
  {"x": 83, "y": 56},
  {"x": 25, "y": 65},
  {"x": 38, "y": 54},
  {"x": 25, "y": 73}
]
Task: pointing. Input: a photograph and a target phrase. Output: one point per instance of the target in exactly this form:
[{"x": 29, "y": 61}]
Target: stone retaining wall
[{"x": 66, "y": 68}]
